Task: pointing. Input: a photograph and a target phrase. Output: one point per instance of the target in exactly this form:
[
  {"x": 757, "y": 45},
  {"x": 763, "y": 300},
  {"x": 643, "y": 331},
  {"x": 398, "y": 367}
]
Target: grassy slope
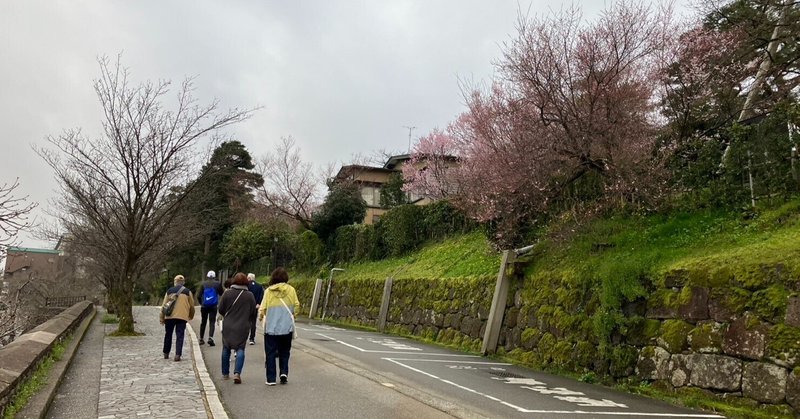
[
  {"x": 464, "y": 256},
  {"x": 621, "y": 249}
]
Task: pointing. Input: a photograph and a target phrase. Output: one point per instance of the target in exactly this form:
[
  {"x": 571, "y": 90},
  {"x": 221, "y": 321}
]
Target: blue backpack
[{"x": 210, "y": 297}]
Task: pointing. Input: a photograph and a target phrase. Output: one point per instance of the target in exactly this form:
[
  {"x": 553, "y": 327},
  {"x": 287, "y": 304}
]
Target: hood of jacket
[{"x": 279, "y": 290}]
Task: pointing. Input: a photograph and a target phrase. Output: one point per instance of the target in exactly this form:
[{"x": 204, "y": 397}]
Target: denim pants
[
  {"x": 179, "y": 326},
  {"x": 277, "y": 346},
  {"x": 226, "y": 360},
  {"x": 207, "y": 314}
]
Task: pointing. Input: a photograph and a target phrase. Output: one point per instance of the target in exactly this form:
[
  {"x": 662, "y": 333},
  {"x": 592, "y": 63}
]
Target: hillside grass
[
  {"x": 465, "y": 256},
  {"x": 621, "y": 250}
]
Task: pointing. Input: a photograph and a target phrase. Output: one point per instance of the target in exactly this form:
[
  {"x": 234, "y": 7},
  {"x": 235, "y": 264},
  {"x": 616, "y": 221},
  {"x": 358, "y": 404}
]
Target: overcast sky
[{"x": 341, "y": 77}]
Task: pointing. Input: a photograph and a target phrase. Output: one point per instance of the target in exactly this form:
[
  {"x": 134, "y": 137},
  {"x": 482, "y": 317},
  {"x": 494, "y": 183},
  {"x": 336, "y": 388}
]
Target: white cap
[{"x": 211, "y": 274}]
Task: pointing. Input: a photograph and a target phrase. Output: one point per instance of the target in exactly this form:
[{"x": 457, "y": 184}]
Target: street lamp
[{"x": 328, "y": 292}]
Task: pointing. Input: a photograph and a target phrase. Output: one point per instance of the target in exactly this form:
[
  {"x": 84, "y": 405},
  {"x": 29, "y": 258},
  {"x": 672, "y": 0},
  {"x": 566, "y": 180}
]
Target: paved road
[
  {"x": 477, "y": 385},
  {"x": 374, "y": 375},
  {"x": 316, "y": 388}
]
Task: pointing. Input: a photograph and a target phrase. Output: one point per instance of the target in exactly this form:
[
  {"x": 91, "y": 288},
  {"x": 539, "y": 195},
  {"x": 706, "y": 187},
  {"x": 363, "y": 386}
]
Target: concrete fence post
[
  {"x": 495, "y": 321},
  {"x": 384, "y": 313},
  {"x": 315, "y": 300}
]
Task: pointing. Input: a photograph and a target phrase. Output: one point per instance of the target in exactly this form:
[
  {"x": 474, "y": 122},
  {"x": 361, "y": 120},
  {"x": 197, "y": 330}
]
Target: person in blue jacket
[
  {"x": 258, "y": 293},
  {"x": 208, "y": 296}
]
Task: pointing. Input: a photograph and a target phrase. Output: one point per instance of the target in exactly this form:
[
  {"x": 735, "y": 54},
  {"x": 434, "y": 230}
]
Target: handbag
[
  {"x": 169, "y": 305},
  {"x": 294, "y": 326}
]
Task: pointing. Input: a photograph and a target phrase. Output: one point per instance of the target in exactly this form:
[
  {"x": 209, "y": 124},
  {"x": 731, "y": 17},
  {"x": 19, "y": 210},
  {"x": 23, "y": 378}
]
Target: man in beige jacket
[{"x": 182, "y": 312}]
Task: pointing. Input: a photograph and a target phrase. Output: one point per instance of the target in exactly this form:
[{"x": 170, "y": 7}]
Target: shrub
[
  {"x": 308, "y": 250},
  {"x": 442, "y": 219},
  {"x": 401, "y": 229}
]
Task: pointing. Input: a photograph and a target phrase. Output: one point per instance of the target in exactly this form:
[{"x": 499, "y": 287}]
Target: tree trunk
[
  {"x": 122, "y": 299},
  {"x": 755, "y": 89}
]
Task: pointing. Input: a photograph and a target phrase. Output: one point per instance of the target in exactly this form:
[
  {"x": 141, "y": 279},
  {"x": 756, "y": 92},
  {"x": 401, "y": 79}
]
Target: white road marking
[
  {"x": 450, "y": 360},
  {"x": 393, "y": 344},
  {"x": 561, "y": 391},
  {"x": 392, "y": 352},
  {"x": 329, "y": 327},
  {"x": 520, "y": 381},
  {"x": 568, "y": 412},
  {"x": 587, "y": 402}
]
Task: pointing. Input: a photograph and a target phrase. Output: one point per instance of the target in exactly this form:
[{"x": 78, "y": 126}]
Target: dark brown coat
[{"x": 237, "y": 316}]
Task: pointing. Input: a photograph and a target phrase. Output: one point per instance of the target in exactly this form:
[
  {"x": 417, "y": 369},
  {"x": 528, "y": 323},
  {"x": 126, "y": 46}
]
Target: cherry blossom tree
[
  {"x": 431, "y": 172},
  {"x": 571, "y": 118}
]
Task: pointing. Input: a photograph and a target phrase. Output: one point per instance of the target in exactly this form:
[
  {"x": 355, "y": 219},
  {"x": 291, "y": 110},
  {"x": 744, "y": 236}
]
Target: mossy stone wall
[{"x": 716, "y": 329}]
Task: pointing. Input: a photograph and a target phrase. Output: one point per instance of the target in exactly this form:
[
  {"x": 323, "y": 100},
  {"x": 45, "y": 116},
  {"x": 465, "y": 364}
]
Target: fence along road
[{"x": 468, "y": 385}]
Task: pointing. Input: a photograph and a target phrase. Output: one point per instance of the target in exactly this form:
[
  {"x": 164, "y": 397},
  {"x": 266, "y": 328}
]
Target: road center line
[
  {"x": 393, "y": 352},
  {"x": 449, "y": 361},
  {"x": 573, "y": 412}
]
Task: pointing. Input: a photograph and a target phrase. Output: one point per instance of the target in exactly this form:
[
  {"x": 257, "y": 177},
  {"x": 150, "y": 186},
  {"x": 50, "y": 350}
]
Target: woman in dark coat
[{"x": 238, "y": 306}]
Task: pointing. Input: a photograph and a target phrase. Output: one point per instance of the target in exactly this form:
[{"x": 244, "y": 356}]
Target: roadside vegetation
[{"x": 35, "y": 381}]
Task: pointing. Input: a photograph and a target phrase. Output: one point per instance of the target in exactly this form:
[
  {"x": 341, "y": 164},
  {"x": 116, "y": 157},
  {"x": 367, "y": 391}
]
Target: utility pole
[{"x": 409, "y": 128}]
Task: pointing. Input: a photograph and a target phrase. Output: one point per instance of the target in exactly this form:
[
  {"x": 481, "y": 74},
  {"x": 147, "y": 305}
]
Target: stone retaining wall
[
  {"x": 21, "y": 357},
  {"x": 712, "y": 331}
]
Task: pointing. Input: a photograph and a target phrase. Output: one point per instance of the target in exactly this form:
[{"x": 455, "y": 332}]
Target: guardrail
[{"x": 63, "y": 301}]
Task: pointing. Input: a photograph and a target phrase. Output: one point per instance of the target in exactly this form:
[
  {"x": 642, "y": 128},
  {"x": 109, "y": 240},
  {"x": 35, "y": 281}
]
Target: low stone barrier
[{"x": 20, "y": 358}]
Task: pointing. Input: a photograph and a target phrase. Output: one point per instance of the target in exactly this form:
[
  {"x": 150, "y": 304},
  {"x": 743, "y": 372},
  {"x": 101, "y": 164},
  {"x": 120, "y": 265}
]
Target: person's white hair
[
  {"x": 251, "y": 277},
  {"x": 211, "y": 274}
]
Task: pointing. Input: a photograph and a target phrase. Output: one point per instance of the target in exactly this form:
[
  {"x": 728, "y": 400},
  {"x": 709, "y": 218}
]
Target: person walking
[
  {"x": 238, "y": 308},
  {"x": 277, "y": 310},
  {"x": 208, "y": 294},
  {"x": 258, "y": 294},
  {"x": 182, "y": 311}
]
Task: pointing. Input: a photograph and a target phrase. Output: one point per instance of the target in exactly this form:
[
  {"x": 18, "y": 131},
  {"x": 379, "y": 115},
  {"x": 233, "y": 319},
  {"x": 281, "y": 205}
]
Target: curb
[
  {"x": 211, "y": 399},
  {"x": 39, "y": 403}
]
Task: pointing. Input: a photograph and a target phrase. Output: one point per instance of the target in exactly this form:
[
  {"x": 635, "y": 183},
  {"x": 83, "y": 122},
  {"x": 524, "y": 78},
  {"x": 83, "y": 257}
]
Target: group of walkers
[{"x": 240, "y": 304}]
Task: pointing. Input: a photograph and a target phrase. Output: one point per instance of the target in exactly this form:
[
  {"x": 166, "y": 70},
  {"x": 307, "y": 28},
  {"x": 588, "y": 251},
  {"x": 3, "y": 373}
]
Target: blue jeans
[
  {"x": 179, "y": 326},
  {"x": 226, "y": 360},
  {"x": 277, "y": 346}
]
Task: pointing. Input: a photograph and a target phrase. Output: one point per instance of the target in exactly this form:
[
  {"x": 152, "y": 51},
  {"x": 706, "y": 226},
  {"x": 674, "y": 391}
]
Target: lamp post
[{"x": 328, "y": 292}]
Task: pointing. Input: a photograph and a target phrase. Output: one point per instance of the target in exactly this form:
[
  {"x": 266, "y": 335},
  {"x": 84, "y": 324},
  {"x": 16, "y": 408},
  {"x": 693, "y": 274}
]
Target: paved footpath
[{"x": 136, "y": 380}]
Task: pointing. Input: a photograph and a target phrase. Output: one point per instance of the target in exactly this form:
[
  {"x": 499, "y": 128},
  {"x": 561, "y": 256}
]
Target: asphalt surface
[
  {"x": 336, "y": 372},
  {"x": 478, "y": 385},
  {"x": 316, "y": 388}
]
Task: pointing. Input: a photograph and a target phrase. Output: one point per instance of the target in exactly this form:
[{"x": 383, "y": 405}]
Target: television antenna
[{"x": 409, "y": 128}]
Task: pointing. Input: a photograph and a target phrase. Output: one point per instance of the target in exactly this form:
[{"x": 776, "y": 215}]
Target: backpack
[
  {"x": 169, "y": 305},
  {"x": 210, "y": 297}
]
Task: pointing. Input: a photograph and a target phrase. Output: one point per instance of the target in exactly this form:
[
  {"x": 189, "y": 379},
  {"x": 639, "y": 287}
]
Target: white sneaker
[{"x": 269, "y": 384}]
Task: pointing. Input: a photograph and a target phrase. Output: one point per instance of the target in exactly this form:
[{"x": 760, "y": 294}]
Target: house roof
[
  {"x": 351, "y": 169},
  {"x": 395, "y": 160},
  {"x": 32, "y": 250}
]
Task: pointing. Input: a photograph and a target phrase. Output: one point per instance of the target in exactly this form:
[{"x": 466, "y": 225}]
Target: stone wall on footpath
[{"x": 735, "y": 337}]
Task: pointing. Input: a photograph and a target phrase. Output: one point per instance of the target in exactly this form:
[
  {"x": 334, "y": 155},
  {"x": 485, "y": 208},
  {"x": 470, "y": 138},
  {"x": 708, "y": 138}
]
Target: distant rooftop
[{"x": 32, "y": 250}]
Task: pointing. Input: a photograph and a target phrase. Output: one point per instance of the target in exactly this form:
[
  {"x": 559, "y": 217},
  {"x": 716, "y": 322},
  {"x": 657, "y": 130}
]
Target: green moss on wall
[
  {"x": 673, "y": 335},
  {"x": 706, "y": 338},
  {"x": 769, "y": 303},
  {"x": 783, "y": 343}
]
